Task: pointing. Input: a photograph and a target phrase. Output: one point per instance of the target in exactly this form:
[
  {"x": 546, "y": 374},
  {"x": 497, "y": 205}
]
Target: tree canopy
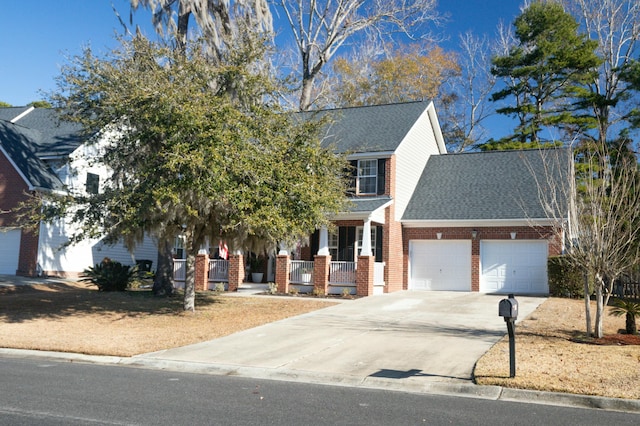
[
  {"x": 196, "y": 149},
  {"x": 544, "y": 74}
]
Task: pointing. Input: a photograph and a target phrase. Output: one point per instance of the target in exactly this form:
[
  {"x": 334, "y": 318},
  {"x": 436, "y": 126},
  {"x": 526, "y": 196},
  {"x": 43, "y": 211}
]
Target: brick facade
[
  {"x": 364, "y": 276},
  {"x": 282, "y": 273},
  {"x": 236, "y": 271},
  {"x": 483, "y": 233},
  {"x": 321, "y": 267},
  {"x": 202, "y": 272},
  {"x": 12, "y": 193}
]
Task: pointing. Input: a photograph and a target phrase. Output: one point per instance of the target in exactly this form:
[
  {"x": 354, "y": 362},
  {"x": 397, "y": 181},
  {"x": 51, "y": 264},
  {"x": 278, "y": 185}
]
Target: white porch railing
[
  {"x": 179, "y": 272},
  {"x": 378, "y": 273},
  {"x": 301, "y": 272},
  {"x": 342, "y": 273},
  {"x": 218, "y": 270}
]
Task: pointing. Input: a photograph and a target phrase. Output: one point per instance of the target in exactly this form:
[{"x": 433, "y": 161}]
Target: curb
[{"x": 461, "y": 389}]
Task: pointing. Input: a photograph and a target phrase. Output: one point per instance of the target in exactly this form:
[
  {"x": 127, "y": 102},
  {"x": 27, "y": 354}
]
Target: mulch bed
[{"x": 618, "y": 339}]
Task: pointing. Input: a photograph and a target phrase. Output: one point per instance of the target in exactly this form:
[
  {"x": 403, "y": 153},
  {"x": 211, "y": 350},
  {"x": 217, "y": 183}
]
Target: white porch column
[
  {"x": 283, "y": 250},
  {"x": 323, "y": 246},
  {"x": 366, "y": 239}
]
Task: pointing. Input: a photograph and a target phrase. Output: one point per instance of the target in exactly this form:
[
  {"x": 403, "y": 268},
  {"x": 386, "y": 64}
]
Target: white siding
[
  {"x": 411, "y": 158},
  {"x": 52, "y": 256}
]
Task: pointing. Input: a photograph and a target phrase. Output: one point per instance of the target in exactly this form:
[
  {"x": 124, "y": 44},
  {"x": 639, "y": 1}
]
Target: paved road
[{"x": 61, "y": 393}]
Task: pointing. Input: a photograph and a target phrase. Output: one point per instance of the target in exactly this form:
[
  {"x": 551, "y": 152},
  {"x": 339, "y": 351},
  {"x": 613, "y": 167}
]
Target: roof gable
[
  {"x": 16, "y": 143},
  {"x": 493, "y": 185},
  {"x": 376, "y": 128}
]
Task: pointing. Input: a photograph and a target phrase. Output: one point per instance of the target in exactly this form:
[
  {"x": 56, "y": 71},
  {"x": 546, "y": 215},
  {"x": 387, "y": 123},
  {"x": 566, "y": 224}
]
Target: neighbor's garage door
[
  {"x": 514, "y": 266},
  {"x": 440, "y": 265},
  {"x": 9, "y": 251}
]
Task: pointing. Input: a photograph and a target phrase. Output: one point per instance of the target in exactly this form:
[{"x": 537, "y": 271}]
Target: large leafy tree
[
  {"x": 196, "y": 149},
  {"x": 405, "y": 75},
  {"x": 543, "y": 75}
]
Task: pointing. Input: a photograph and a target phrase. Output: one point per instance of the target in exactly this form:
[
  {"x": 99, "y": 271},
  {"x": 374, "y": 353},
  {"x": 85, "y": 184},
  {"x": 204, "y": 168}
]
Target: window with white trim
[
  {"x": 333, "y": 245},
  {"x": 178, "y": 248},
  {"x": 367, "y": 182}
]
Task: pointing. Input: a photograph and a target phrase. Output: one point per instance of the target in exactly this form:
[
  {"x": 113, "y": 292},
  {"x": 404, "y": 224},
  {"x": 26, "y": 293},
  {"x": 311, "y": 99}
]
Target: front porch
[{"x": 321, "y": 276}]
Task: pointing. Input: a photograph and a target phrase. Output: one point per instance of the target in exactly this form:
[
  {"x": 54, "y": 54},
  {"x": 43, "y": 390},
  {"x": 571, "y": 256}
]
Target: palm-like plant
[
  {"x": 109, "y": 275},
  {"x": 630, "y": 309}
]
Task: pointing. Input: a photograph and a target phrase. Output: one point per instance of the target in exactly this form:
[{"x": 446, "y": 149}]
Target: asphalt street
[{"x": 45, "y": 392}]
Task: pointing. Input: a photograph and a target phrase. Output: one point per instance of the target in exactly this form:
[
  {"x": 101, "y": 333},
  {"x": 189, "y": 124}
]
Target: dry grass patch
[
  {"x": 73, "y": 317},
  {"x": 552, "y": 354}
]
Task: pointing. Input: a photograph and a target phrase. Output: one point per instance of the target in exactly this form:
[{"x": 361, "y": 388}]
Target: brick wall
[
  {"x": 12, "y": 193},
  {"x": 282, "y": 273}
]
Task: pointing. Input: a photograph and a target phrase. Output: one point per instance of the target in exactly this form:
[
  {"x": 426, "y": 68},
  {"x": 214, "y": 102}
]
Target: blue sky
[{"x": 38, "y": 35}]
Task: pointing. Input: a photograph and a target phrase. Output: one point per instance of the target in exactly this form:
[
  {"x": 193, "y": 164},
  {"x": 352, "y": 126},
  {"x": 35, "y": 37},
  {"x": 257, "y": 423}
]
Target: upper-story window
[{"x": 367, "y": 177}]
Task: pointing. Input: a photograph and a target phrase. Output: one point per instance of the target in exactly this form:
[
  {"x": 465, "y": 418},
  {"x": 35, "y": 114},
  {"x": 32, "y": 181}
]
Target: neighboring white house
[{"x": 38, "y": 153}]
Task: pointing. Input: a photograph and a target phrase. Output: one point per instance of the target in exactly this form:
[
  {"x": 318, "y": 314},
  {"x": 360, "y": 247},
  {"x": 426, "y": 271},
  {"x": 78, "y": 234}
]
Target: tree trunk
[
  {"x": 190, "y": 283},
  {"x": 163, "y": 281},
  {"x": 305, "y": 93},
  {"x": 630, "y": 324},
  {"x": 587, "y": 303},
  {"x": 599, "y": 307}
]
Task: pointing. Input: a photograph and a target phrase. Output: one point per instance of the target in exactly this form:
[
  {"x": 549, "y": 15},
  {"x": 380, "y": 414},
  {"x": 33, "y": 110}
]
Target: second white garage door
[
  {"x": 514, "y": 266},
  {"x": 9, "y": 250},
  {"x": 440, "y": 265}
]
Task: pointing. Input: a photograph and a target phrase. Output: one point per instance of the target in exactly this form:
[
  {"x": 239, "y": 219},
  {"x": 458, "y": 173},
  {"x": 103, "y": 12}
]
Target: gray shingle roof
[
  {"x": 58, "y": 138},
  {"x": 9, "y": 113},
  {"x": 367, "y": 204},
  {"x": 18, "y": 142},
  {"x": 376, "y": 128},
  {"x": 486, "y": 185}
]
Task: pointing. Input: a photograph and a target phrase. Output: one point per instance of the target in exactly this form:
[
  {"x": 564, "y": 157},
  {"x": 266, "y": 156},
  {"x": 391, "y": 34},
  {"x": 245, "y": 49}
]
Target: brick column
[
  {"x": 364, "y": 275},
  {"x": 236, "y": 271},
  {"x": 201, "y": 272},
  {"x": 321, "y": 273},
  {"x": 282, "y": 273},
  {"x": 475, "y": 264}
]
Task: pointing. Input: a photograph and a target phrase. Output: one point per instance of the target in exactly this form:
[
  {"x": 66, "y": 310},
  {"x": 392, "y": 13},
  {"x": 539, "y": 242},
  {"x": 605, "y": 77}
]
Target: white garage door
[
  {"x": 9, "y": 251},
  {"x": 513, "y": 266},
  {"x": 440, "y": 265}
]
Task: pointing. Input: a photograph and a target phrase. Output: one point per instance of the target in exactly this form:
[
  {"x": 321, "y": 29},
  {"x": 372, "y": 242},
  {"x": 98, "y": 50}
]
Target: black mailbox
[{"x": 508, "y": 308}]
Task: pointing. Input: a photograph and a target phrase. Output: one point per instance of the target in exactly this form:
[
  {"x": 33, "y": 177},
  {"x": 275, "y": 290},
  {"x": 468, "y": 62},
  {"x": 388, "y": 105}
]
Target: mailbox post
[{"x": 508, "y": 309}]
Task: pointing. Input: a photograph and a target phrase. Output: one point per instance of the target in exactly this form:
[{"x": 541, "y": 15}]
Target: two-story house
[
  {"x": 41, "y": 154},
  {"x": 438, "y": 221}
]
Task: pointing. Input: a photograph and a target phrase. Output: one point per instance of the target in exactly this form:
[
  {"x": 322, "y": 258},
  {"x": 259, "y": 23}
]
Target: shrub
[
  {"x": 565, "y": 280},
  {"x": 109, "y": 275},
  {"x": 630, "y": 310}
]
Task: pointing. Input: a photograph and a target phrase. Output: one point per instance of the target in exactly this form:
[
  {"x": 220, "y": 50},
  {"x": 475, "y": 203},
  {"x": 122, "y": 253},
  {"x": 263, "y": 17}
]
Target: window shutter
[
  {"x": 378, "y": 243},
  {"x": 351, "y": 243},
  {"x": 315, "y": 243},
  {"x": 382, "y": 162},
  {"x": 353, "y": 176}
]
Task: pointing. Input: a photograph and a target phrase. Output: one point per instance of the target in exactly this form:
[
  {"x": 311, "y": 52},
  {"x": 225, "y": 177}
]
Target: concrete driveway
[{"x": 412, "y": 337}]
